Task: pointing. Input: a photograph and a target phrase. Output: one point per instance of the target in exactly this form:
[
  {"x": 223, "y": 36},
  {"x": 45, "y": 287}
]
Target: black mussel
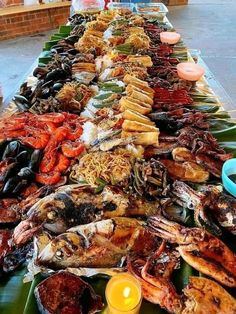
[
  {"x": 20, "y": 186},
  {"x": 57, "y": 46},
  {"x": 64, "y": 54},
  {"x": 11, "y": 150},
  {"x": 26, "y": 173},
  {"x": 72, "y": 51},
  {"x": 40, "y": 72},
  {"x": 35, "y": 160},
  {"x": 11, "y": 184},
  {"x": 46, "y": 84},
  {"x": 57, "y": 86},
  {"x": 66, "y": 67},
  {"x": 58, "y": 49},
  {"x": 57, "y": 74},
  {"x": 3, "y": 145},
  {"x": 23, "y": 157},
  {"x": 21, "y": 102},
  {"x": 11, "y": 171},
  {"x": 72, "y": 39},
  {"x": 46, "y": 92}
]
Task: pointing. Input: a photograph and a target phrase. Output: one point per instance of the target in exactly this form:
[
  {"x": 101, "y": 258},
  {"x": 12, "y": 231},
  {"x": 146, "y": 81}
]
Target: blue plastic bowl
[{"x": 229, "y": 168}]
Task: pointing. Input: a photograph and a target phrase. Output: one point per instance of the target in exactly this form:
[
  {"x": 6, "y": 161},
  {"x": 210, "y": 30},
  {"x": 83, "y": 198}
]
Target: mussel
[
  {"x": 56, "y": 74},
  {"x": 11, "y": 184},
  {"x": 23, "y": 157},
  {"x": 26, "y": 173},
  {"x": 12, "y": 170},
  {"x": 21, "y": 102},
  {"x": 35, "y": 160},
  {"x": 11, "y": 150},
  {"x": 40, "y": 72},
  {"x": 57, "y": 86}
]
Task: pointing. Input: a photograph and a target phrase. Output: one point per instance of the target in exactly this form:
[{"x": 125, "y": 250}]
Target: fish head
[
  {"x": 58, "y": 211},
  {"x": 62, "y": 250},
  {"x": 49, "y": 212}
]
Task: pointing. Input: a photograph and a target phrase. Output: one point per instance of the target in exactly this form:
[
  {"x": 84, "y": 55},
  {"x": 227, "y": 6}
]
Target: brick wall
[
  {"x": 9, "y": 3},
  {"x": 27, "y": 23},
  {"x": 177, "y": 2}
]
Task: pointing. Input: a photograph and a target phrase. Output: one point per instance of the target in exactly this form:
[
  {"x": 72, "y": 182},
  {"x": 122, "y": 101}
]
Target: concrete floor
[
  {"x": 16, "y": 58},
  {"x": 208, "y": 25}
]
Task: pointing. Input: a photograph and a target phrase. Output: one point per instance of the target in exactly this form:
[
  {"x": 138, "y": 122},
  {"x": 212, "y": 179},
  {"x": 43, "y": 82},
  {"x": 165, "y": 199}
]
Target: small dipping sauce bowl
[
  {"x": 170, "y": 38},
  {"x": 190, "y": 71},
  {"x": 228, "y": 169}
]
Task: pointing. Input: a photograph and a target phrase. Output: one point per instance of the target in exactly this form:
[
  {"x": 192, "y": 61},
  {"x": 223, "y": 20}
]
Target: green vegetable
[
  {"x": 125, "y": 48},
  {"x": 103, "y": 105},
  {"x": 103, "y": 96},
  {"x": 101, "y": 184},
  {"x": 117, "y": 33},
  {"x": 112, "y": 88}
]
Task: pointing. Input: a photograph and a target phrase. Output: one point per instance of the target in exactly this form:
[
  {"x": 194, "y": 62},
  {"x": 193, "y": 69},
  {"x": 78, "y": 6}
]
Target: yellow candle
[{"x": 123, "y": 294}]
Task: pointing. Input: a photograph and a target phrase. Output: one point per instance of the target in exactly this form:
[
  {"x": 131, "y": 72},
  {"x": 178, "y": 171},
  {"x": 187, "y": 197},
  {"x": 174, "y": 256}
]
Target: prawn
[
  {"x": 50, "y": 178},
  {"x": 72, "y": 149},
  {"x": 62, "y": 164}
]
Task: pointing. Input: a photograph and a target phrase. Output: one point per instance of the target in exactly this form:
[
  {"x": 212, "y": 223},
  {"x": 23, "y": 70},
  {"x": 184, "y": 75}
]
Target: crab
[
  {"x": 199, "y": 248},
  {"x": 154, "y": 276}
]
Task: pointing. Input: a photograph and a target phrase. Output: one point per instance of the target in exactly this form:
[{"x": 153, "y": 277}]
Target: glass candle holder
[{"x": 123, "y": 294}]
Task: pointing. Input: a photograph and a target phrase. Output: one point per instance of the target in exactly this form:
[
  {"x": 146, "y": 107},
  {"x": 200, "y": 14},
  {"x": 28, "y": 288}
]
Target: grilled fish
[
  {"x": 74, "y": 205},
  {"x": 101, "y": 244}
]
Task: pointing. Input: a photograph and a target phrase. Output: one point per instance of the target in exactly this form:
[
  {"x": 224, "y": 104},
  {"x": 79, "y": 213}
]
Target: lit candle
[
  {"x": 170, "y": 38},
  {"x": 123, "y": 294},
  {"x": 190, "y": 71}
]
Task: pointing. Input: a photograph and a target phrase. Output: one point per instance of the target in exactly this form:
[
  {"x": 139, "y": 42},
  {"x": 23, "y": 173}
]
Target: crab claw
[
  {"x": 198, "y": 248},
  {"x": 157, "y": 288}
]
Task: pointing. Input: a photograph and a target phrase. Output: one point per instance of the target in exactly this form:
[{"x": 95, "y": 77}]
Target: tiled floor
[{"x": 208, "y": 25}]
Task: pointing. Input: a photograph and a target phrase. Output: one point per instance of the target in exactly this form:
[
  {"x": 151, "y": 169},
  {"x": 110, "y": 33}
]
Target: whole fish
[
  {"x": 75, "y": 204},
  {"x": 101, "y": 244}
]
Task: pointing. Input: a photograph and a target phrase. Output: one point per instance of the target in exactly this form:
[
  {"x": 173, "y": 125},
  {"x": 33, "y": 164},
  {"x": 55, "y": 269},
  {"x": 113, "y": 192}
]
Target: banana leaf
[
  {"x": 99, "y": 285},
  {"x": 229, "y": 147},
  {"x": 65, "y": 29},
  {"x": 13, "y": 293},
  {"x": 226, "y": 134},
  {"x": 220, "y": 125},
  {"x": 199, "y": 106},
  {"x": 17, "y": 297}
]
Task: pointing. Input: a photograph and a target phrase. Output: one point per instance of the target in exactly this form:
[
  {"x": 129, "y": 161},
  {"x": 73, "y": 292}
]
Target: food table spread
[{"x": 111, "y": 162}]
